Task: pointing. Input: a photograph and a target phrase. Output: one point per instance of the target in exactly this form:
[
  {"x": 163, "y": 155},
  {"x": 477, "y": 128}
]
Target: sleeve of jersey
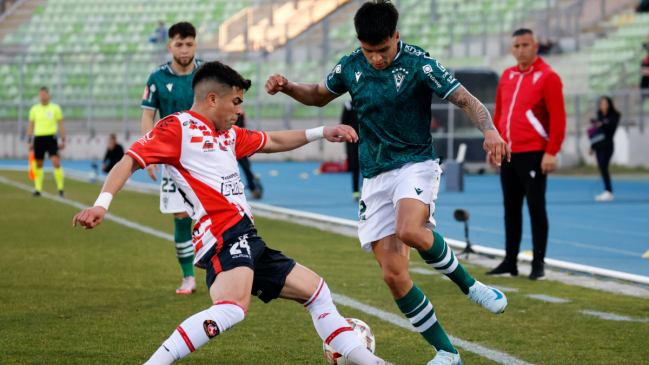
[
  {"x": 59, "y": 113},
  {"x": 32, "y": 114},
  {"x": 160, "y": 146},
  {"x": 438, "y": 78},
  {"x": 553, "y": 97},
  {"x": 150, "y": 96},
  {"x": 335, "y": 81},
  {"x": 248, "y": 142}
]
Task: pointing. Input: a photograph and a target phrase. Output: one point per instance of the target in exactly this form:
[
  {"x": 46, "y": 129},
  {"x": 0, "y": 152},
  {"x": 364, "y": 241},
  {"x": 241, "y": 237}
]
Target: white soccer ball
[{"x": 363, "y": 331}]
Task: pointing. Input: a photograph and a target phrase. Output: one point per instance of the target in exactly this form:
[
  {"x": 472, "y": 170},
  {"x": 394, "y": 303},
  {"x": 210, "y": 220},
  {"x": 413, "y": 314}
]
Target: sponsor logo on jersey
[
  {"x": 211, "y": 329},
  {"x": 338, "y": 69},
  {"x": 222, "y": 147},
  {"x": 146, "y": 93},
  {"x": 147, "y": 137},
  {"x": 170, "y": 86},
  {"x": 323, "y": 315},
  {"x": 358, "y": 76},
  {"x": 419, "y": 191},
  {"x": 49, "y": 114},
  {"x": 428, "y": 70},
  {"x": 153, "y": 88},
  {"x": 165, "y": 200},
  {"x": 413, "y": 50},
  {"x": 399, "y": 76},
  {"x": 208, "y": 145}
]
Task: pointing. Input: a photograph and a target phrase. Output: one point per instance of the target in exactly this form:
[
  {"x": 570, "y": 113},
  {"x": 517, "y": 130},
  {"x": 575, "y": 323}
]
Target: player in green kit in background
[
  {"x": 391, "y": 85},
  {"x": 169, "y": 90}
]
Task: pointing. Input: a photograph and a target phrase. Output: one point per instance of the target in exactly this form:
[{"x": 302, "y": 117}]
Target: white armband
[
  {"x": 314, "y": 134},
  {"x": 104, "y": 200}
]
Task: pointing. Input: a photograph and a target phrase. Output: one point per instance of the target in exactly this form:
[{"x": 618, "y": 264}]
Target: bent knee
[{"x": 396, "y": 279}]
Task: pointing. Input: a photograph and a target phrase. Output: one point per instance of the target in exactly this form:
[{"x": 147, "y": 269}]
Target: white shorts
[
  {"x": 376, "y": 212},
  {"x": 171, "y": 201}
]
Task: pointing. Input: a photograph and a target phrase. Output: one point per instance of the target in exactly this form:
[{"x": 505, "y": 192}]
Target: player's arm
[
  {"x": 30, "y": 134},
  {"x": 289, "y": 140},
  {"x": 62, "y": 133},
  {"x": 479, "y": 115},
  {"x": 307, "y": 94},
  {"x": 91, "y": 217},
  {"x": 148, "y": 116}
]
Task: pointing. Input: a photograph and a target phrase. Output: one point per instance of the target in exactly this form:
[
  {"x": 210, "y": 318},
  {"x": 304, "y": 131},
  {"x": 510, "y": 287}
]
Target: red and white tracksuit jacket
[{"x": 530, "y": 113}]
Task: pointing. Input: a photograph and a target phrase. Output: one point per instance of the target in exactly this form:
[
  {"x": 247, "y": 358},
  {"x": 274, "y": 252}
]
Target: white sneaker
[
  {"x": 446, "y": 358},
  {"x": 492, "y": 299},
  {"x": 188, "y": 286},
  {"x": 606, "y": 196}
]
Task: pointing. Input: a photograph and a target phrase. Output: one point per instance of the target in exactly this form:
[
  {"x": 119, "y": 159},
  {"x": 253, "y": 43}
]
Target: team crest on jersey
[
  {"x": 170, "y": 86},
  {"x": 208, "y": 146},
  {"x": 211, "y": 329},
  {"x": 399, "y": 76}
]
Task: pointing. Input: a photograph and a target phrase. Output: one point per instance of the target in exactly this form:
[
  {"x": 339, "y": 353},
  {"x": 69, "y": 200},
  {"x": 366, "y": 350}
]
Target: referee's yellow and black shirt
[{"x": 45, "y": 118}]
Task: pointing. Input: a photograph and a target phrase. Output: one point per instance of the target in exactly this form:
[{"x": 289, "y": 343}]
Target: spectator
[
  {"x": 530, "y": 116},
  {"x": 256, "y": 190},
  {"x": 114, "y": 154},
  {"x": 644, "y": 70},
  {"x": 160, "y": 34},
  {"x": 601, "y": 137},
  {"x": 349, "y": 118}
]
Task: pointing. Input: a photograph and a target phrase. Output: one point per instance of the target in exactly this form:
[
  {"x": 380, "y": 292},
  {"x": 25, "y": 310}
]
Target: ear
[
  {"x": 169, "y": 45},
  {"x": 212, "y": 99},
  {"x": 397, "y": 35}
]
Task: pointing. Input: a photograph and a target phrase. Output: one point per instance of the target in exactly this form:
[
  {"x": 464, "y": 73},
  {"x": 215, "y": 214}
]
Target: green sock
[
  {"x": 184, "y": 245},
  {"x": 58, "y": 176},
  {"x": 416, "y": 307},
  {"x": 39, "y": 175},
  {"x": 441, "y": 257}
]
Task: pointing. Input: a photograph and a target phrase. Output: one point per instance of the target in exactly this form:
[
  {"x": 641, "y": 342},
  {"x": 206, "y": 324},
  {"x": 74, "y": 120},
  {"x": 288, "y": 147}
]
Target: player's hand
[
  {"x": 548, "y": 163},
  {"x": 340, "y": 133},
  {"x": 275, "y": 84},
  {"x": 496, "y": 147},
  {"x": 491, "y": 162},
  {"x": 62, "y": 145},
  {"x": 89, "y": 218},
  {"x": 151, "y": 170},
  {"x": 30, "y": 146}
]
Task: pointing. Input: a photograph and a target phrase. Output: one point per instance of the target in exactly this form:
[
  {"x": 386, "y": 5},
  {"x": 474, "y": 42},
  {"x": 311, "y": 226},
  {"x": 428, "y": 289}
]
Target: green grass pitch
[{"x": 106, "y": 296}]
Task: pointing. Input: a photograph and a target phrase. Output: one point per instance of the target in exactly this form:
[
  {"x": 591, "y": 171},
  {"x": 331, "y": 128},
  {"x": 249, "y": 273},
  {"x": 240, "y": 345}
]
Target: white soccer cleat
[
  {"x": 446, "y": 358},
  {"x": 188, "y": 286},
  {"x": 606, "y": 196},
  {"x": 492, "y": 299}
]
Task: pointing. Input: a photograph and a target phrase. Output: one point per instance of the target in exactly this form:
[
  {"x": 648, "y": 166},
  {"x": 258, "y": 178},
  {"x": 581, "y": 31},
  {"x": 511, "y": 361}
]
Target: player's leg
[
  {"x": 535, "y": 188},
  {"x": 39, "y": 156},
  {"x": 58, "y": 173},
  {"x": 230, "y": 294},
  {"x": 185, "y": 251},
  {"x": 307, "y": 288}
]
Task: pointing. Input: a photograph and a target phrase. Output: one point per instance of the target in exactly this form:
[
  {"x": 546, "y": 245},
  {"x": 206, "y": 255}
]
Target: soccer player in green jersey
[
  {"x": 169, "y": 90},
  {"x": 391, "y": 84}
]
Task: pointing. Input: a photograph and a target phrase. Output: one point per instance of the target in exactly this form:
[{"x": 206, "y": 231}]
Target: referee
[
  {"x": 530, "y": 115},
  {"x": 45, "y": 119}
]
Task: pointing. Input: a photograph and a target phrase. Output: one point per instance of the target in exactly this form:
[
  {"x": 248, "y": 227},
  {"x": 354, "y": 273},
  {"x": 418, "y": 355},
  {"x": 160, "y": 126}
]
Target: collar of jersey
[
  {"x": 171, "y": 70},
  {"x": 398, "y": 53},
  {"x": 393, "y": 60},
  {"x": 202, "y": 119}
]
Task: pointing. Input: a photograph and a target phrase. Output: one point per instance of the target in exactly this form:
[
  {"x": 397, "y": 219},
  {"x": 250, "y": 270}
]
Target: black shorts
[
  {"x": 242, "y": 247},
  {"x": 44, "y": 144}
]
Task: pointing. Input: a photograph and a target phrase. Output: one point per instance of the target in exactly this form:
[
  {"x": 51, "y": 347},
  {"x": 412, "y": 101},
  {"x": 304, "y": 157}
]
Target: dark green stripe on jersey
[{"x": 168, "y": 92}]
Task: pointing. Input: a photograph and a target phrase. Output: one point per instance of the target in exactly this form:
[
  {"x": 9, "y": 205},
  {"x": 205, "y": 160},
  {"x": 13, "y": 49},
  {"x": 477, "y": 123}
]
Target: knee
[
  {"x": 395, "y": 279},
  {"x": 407, "y": 234}
]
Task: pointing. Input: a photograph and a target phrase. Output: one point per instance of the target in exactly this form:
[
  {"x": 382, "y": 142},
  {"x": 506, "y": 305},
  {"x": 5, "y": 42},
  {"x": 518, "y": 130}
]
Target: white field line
[
  {"x": 494, "y": 355},
  {"x": 497, "y": 356},
  {"x": 548, "y": 298},
  {"x": 613, "y": 316}
]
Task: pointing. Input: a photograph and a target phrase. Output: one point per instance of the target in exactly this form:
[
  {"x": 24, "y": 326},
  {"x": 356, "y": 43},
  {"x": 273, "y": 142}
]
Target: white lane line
[
  {"x": 613, "y": 316},
  {"x": 423, "y": 271},
  {"x": 497, "y": 356},
  {"x": 548, "y": 298},
  {"x": 503, "y": 288},
  {"x": 494, "y": 355}
]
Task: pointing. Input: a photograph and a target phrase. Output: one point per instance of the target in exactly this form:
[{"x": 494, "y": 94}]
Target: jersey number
[
  {"x": 243, "y": 243},
  {"x": 168, "y": 185}
]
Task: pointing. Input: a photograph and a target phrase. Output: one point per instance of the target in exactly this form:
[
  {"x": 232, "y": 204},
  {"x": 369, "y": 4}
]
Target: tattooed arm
[{"x": 495, "y": 146}]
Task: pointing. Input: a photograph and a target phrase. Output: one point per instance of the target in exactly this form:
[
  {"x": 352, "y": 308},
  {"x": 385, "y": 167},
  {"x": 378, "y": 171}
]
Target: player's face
[
  {"x": 44, "y": 96},
  {"x": 227, "y": 110},
  {"x": 524, "y": 48},
  {"x": 381, "y": 55},
  {"x": 182, "y": 50}
]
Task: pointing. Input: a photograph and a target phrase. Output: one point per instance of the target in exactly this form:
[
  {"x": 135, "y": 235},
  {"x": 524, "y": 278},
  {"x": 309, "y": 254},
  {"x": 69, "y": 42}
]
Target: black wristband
[{"x": 29, "y": 139}]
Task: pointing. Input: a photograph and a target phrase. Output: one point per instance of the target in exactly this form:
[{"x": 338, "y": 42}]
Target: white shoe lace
[{"x": 444, "y": 358}]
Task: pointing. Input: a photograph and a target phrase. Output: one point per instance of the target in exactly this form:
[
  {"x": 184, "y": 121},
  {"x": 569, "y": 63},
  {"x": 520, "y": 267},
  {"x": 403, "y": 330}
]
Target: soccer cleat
[
  {"x": 504, "y": 268},
  {"x": 606, "y": 196},
  {"x": 61, "y": 194},
  {"x": 446, "y": 358},
  {"x": 36, "y": 194},
  {"x": 538, "y": 273},
  {"x": 188, "y": 286},
  {"x": 491, "y": 299}
]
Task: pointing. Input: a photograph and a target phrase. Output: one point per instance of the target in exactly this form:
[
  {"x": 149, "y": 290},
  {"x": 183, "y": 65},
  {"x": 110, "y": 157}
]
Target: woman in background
[{"x": 606, "y": 123}]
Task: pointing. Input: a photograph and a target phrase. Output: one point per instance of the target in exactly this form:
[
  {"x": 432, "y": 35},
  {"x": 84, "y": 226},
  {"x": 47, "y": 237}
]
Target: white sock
[
  {"x": 198, "y": 329},
  {"x": 331, "y": 326},
  {"x": 362, "y": 356},
  {"x": 161, "y": 357}
]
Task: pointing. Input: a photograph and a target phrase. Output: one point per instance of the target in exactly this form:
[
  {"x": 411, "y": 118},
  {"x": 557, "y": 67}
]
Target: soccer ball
[{"x": 363, "y": 331}]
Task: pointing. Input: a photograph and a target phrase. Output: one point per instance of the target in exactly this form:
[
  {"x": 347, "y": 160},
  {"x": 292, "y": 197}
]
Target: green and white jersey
[
  {"x": 168, "y": 92},
  {"x": 392, "y": 105}
]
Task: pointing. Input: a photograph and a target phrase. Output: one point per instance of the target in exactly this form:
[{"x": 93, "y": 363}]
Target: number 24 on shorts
[{"x": 243, "y": 244}]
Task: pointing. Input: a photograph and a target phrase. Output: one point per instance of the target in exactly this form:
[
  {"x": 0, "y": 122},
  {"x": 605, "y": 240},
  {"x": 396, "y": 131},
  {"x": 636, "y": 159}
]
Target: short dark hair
[
  {"x": 221, "y": 74},
  {"x": 44, "y": 88},
  {"x": 113, "y": 137},
  {"x": 183, "y": 29},
  {"x": 522, "y": 31},
  {"x": 376, "y": 21}
]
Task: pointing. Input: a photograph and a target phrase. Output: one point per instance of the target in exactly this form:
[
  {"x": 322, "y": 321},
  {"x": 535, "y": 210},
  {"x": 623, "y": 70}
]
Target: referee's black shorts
[{"x": 44, "y": 144}]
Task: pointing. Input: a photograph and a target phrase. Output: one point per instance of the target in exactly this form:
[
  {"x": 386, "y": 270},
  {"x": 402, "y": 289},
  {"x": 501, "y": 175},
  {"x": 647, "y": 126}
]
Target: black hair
[
  {"x": 376, "y": 21},
  {"x": 221, "y": 74},
  {"x": 113, "y": 137},
  {"x": 183, "y": 29},
  {"x": 44, "y": 88},
  {"x": 522, "y": 31},
  {"x": 611, "y": 108}
]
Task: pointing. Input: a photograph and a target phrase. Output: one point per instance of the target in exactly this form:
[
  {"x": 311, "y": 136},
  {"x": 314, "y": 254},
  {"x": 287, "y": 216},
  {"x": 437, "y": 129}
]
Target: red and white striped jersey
[{"x": 203, "y": 164}]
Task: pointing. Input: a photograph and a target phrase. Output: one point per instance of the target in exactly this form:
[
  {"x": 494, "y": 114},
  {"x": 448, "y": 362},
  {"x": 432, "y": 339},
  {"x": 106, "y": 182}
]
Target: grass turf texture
[{"x": 70, "y": 296}]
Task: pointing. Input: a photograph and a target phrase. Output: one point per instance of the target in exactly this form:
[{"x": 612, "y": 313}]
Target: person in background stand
[
  {"x": 349, "y": 118},
  {"x": 114, "y": 154},
  {"x": 607, "y": 120},
  {"x": 256, "y": 190}
]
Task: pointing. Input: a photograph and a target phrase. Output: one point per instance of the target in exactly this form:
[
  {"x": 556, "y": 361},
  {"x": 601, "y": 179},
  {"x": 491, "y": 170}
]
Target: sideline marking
[
  {"x": 548, "y": 298},
  {"x": 494, "y": 355},
  {"x": 423, "y": 271},
  {"x": 613, "y": 316}
]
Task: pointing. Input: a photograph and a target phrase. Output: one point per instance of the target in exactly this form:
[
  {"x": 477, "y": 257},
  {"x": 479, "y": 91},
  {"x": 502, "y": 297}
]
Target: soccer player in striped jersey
[
  {"x": 391, "y": 84},
  {"x": 199, "y": 149}
]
